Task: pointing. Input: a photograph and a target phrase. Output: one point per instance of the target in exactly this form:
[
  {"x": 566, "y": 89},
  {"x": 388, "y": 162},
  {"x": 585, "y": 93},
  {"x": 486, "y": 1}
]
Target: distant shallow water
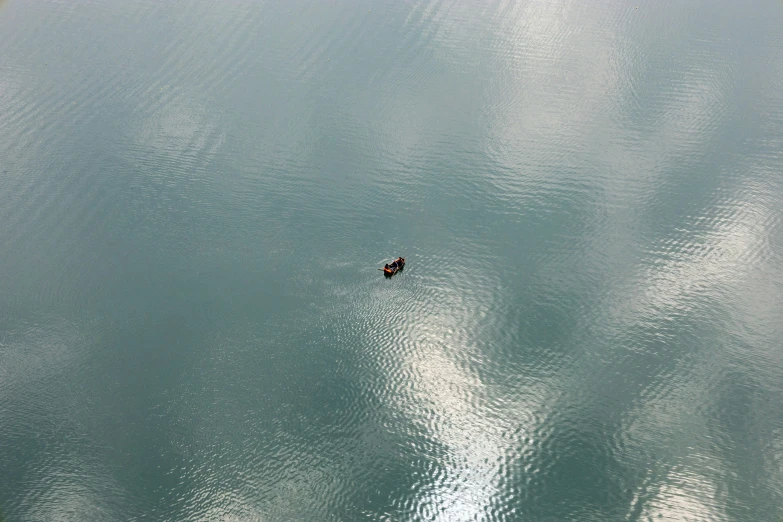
[{"x": 195, "y": 199}]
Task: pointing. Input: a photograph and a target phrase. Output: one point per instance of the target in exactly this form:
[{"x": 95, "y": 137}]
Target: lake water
[{"x": 195, "y": 199}]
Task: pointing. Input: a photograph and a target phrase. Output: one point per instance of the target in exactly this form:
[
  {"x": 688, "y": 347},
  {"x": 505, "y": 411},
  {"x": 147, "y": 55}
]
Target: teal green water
[{"x": 195, "y": 198}]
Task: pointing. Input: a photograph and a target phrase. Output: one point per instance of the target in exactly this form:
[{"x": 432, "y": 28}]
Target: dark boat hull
[{"x": 395, "y": 267}]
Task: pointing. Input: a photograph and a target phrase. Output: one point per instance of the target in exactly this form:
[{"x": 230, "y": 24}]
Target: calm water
[{"x": 195, "y": 198}]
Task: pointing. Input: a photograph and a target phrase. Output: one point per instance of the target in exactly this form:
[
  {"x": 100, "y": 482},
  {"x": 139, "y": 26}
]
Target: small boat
[{"x": 394, "y": 267}]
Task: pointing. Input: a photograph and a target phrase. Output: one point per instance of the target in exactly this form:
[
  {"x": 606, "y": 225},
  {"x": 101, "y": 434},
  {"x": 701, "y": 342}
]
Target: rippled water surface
[{"x": 195, "y": 198}]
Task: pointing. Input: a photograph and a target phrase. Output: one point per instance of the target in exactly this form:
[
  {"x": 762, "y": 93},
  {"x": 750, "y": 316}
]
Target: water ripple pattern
[{"x": 195, "y": 199}]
